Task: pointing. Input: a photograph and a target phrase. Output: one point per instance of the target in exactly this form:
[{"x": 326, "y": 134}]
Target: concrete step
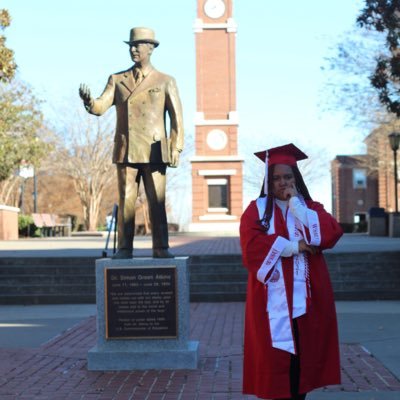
[
  {"x": 47, "y": 279},
  {"x": 54, "y": 289},
  {"x": 214, "y": 287},
  {"x": 47, "y": 261},
  {"x": 217, "y": 277},
  {"x": 360, "y": 295},
  {"x": 355, "y": 276},
  {"x": 216, "y": 297},
  {"x": 59, "y": 298},
  {"x": 220, "y": 268},
  {"x": 366, "y": 285}
]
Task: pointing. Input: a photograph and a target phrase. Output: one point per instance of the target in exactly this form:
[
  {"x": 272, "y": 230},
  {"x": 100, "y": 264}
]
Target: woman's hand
[
  {"x": 306, "y": 248},
  {"x": 290, "y": 192}
]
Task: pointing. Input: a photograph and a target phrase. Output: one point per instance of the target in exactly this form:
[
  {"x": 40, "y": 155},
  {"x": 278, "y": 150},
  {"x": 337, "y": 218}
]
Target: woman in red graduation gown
[{"x": 291, "y": 340}]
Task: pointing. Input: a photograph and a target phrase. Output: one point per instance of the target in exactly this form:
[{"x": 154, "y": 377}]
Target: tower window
[{"x": 217, "y": 193}]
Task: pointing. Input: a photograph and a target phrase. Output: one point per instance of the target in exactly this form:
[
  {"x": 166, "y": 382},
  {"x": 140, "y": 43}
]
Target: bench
[{"x": 52, "y": 224}]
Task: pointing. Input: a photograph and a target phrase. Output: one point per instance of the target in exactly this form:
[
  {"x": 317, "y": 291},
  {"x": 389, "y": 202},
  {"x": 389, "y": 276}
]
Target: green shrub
[
  {"x": 24, "y": 221},
  {"x": 26, "y": 227}
]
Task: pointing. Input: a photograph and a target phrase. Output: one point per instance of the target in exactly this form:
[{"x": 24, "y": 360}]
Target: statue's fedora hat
[{"x": 142, "y": 35}]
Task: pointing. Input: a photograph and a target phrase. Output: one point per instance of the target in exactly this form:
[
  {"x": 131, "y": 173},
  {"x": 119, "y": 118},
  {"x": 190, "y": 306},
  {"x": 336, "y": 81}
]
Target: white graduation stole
[{"x": 277, "y": 305}]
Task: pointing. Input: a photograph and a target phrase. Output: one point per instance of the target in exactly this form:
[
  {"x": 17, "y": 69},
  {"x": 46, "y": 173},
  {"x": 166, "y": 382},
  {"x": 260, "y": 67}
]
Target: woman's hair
[{"x": 300, "y": 186}]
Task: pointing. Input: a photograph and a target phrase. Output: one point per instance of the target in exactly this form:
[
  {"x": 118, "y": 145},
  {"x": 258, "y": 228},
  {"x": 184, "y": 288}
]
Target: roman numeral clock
[{"x": 216, "y": 167}]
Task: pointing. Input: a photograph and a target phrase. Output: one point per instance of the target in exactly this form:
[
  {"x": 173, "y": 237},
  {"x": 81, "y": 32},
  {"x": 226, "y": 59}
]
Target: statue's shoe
[
  {"x": 122, "y": 253},
  {"x": 162, "y": 253}
]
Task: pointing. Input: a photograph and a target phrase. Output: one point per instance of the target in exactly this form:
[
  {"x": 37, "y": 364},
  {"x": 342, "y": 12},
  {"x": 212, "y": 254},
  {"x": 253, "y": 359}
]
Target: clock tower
[{"x": 216, "y": 166}]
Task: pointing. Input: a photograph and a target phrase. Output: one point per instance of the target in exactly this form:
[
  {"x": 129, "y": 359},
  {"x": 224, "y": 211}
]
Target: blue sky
[{"x": 279, "y": 53}]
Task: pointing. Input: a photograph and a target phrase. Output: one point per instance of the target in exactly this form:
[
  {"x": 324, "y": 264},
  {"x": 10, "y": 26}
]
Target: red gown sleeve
[
  {"x": 331, "y": 231},
  {"x": 255, "y": 243}
]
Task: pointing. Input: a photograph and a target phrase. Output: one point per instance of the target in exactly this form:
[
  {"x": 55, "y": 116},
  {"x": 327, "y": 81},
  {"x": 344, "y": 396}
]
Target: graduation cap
[{"x": 288, "y": 154}]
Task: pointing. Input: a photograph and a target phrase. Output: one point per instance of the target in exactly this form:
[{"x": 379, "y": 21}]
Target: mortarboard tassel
[{"x": 266, "y": 174}]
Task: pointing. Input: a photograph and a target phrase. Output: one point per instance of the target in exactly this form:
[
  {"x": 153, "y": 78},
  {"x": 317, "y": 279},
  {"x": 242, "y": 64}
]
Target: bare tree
[
  {"x": 347, "y": 88},
  {"x": 179, "y": 186},
  {"x": 378, "y": 147},
  {"x": 364, "y": 76},
  {"x": 83, "y": 153},
  {"x": 9, "y": 190}
]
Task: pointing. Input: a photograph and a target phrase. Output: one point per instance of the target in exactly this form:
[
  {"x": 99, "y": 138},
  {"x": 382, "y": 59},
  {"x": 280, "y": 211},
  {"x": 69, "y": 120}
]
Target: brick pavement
[
  {"x": 181, "y": 245},
  {"x": 57, "y": 370}
]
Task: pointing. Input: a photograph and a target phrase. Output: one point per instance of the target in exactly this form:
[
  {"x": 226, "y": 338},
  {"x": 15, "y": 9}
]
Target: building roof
[{"x": 354, "y": 159}]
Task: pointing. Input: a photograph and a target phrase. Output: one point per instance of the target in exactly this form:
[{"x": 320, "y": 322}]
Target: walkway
[
  {"x": 181, "y": 245},
  {"x": 57, "y": 369}
]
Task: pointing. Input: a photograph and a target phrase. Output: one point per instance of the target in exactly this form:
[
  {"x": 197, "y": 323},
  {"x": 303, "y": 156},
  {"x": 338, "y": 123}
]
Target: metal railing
[{"x": 112, "y": 226}]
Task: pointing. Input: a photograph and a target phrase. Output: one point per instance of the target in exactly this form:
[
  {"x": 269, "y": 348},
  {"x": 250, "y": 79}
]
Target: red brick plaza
[{"x": 57, "y": 369}]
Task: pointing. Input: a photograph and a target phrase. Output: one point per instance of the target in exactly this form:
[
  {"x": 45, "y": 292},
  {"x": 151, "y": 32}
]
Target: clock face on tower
[
  {"x": 214, "y": 8},
  {"x": 217, "y": 139}
]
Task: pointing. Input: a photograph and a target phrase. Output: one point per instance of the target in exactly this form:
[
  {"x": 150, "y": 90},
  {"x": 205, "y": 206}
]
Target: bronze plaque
[{"x": 140, "y": 302}]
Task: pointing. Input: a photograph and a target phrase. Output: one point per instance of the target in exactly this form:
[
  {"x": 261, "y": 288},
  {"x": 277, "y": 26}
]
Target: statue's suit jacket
[{"x": 141, "y": 132}]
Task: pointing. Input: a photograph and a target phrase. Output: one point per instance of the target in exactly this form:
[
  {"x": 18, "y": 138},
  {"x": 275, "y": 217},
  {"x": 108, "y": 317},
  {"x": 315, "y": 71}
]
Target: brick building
[
  {"x": 360, "y": 182},
  {"x": 378, "y": 147},
  {"x": 354, "y": 188}
]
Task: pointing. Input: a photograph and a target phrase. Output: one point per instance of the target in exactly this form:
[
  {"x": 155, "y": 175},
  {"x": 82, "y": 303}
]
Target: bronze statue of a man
[{"x": 142, "y": 148}]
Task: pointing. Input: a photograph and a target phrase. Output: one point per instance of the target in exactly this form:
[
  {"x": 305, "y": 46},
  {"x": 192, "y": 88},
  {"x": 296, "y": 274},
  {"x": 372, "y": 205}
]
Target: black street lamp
[{"x": 394, "y": 139}]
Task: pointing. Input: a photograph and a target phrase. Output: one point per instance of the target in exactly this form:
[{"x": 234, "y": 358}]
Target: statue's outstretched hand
[
  {"x": 84, "y": 93},
  {"x": 174, "y": 159}
]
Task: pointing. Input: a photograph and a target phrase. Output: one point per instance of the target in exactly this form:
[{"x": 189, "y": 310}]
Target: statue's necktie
[{"x": 138, "y": 74}]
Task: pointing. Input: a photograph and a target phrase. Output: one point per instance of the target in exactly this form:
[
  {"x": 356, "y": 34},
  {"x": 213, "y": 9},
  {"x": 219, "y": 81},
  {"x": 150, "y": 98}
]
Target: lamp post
[
  {"x": 25, "y": 171},
  {"x": 394, "y": 139},
  {"x": 35, "y": 209}
]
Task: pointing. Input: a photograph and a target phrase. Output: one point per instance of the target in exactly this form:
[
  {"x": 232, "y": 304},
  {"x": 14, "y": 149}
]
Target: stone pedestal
[
  {"x": 8, "y": 223},
  {"x": 394, "y": 224},
  {"x": 175, "y": 351}
]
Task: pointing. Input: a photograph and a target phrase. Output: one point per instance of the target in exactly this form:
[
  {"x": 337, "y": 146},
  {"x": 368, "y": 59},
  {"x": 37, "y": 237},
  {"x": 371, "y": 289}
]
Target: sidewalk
[
  {"x": 36, "y": 368},
  {"x": 183, "y": 244}
]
